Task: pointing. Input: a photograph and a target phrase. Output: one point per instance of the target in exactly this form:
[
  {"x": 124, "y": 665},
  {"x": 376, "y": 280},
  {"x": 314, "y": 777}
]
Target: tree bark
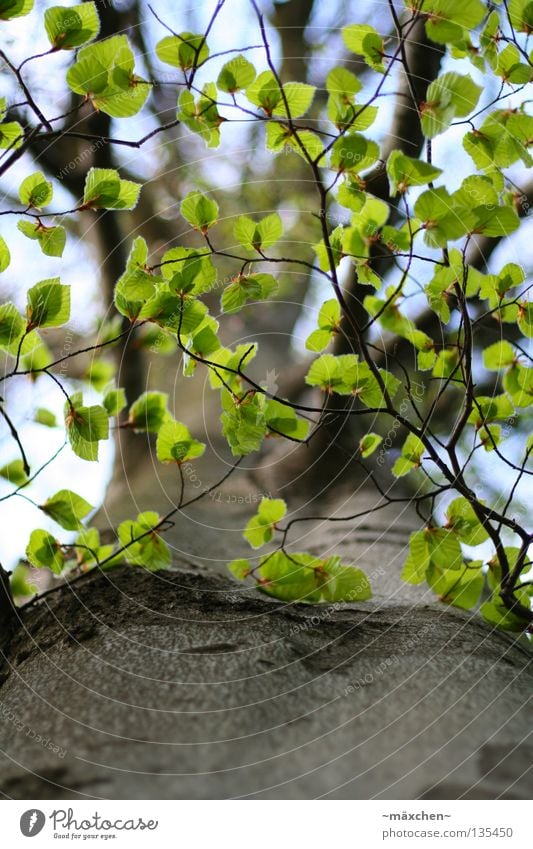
[{"x": 184, "y": 684}]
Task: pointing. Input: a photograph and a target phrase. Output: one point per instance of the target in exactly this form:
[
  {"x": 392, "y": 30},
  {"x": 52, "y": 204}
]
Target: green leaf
[
  {"x": 353, "y": 153},
  {"x": 67, "y": 509},
  {"x": 48, "y": 304},
  {"x": 501, "y": 140},
  {"x": 240, "y": 568},
  {"x": 148, "y": 550},
  {"x": 299, "y": 97},
  {"x": 369, "y": 443},
  {"x": 497, "y": 615},
  {"x": 14, "y": 8},
  {"x": 328, "y": 324},
  {"x": 44, "y": 417},
  {"x": 11, "y": 135},
  {"x": 260, "y": 528},
  {"x": 363, "y": 40},
  {"x": 19, "y": 584},
  {"x": 283, "y": 139},
  {"x": 404, "y": 171},
  {"x": 411, "y": 456},
  {"x": 201, "y": 117},
  {"x": 149, "y": 412},
  {"x": 114, "y": 401},
  {"x": 259, "y": 235},
  {"x": 104, "y": 73},
  {"x": 343, "y": 583},
  {"x": 44, "y": 552},
  {"x": 291, "y": 578},
  {"x": 490, "y": 409},
  {"x": 302, "y": 577},
  {"x": 104, "y": 189},
  {"x": 495, "y": 222},
  {"x": 243, "y": 424},
  {"x": 5, "y": 256},
  {"x": 446, "y": 363},
  {"x": 185, "y": 51},
  {"x": 72, "y": 26},
  {"x": 243, "y": 288},
  {"x": 498, "y": 356},
  {"x": 266, "y": 93},
  {"x": 14, "y": 472},
  {"x": 521, "y": 15},
  {"x": 236, "y": 74},
  {"x": 464, "y": 522},
  {"x": 525, "y": 318},
  {"x": 451, "y": 95},
  {"x": 282, "y": 420},
  {"x": 442, "y": 218},
  {"x": 463, "y": 590},
  {"x": 509, "y": 67},
  {"x": 12, "y": 326},
  {"x": 343, "y": 83},
  {"x": 86, "y": 427},
  {"x": 36, "y": 191},
  {"x": 188, "y": 271},
  {"x": 88, "y": 548},
  {"x": 200, "y": 211},
  {"x": 52, "y": 240},
  {"x": 448, "y": 19},
  {"x": 176, "y": 445}
]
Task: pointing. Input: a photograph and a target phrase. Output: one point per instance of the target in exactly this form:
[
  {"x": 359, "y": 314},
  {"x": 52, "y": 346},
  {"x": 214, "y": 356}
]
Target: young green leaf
[
  {"x": 363, "y": 40},
  {"x": 259, "y": 235},
  {"x": 185, "y": 51},
  {"x": 149, "y": 412},
  {"x": 104, "y": 189},
  {"x": 104, "y": 73},
  {"x": 5, "y": 256},
  {"x": 411, "y": 456},
  {"x": 235, "y": 75},
  {"x": 259, "y": 287},
  {"x": 498, "y": 356},
  {"x": 353, "y": 153},
  {"x": 12, "y": 326},
  {"x": 202, "y": 116},
  {"x": 448, "y": 19},
  {"x": 86, "y": 427},
  {"x": 48, "y": 304},
  {"x": 44, "y": 417},
  {"x": 328, "y": 325},
  {"x": 52, "y": 240},
  {"x": 404, "y": 171},
  {"x": 463, "y": 520},
  {"x": 451, "y": 95},
  {"x": 15, "y": 8},
  {"x": 260, "y": 528},
  {"x": 369, "y": 443},
  {"x": 44, "y": 552},
  {"x": 144, "y": 546},
  {"x": 36, "y": 191},
  {"x": 176, "y": 445},
  {"x": 72, "y": 26},
  {"x": 14, "y": 472},
  {"x": 200, "y": 211},
  {"x": 114, "y": 401},
  {"x": 67, "y": 509}
]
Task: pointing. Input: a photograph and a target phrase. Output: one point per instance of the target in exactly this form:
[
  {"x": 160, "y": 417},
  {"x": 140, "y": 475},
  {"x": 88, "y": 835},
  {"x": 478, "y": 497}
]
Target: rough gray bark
[{"x": 187, "y": 685}]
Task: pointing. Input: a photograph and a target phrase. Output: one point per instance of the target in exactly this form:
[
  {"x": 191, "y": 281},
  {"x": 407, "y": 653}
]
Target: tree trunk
[{"x": 184, "y": 684}]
